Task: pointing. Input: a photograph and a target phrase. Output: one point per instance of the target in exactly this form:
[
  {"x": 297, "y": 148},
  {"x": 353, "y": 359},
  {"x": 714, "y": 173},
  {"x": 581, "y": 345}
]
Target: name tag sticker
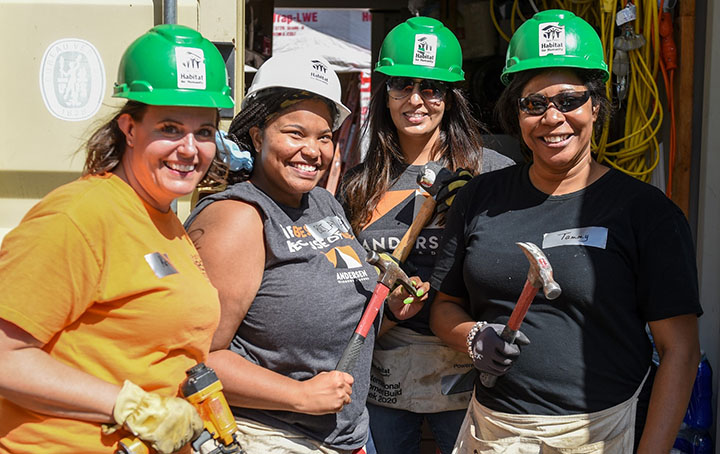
[
  {"x": 582, "y": 236},
  {"x": 160, "y": 264}
]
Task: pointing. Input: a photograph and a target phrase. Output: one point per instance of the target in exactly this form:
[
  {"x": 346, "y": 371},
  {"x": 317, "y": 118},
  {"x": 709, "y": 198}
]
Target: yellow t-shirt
[{"x": 112, "y": 287}]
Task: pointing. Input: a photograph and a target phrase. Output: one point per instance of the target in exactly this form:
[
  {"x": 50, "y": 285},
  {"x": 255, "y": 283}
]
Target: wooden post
[{"x": 683, "y": 105}]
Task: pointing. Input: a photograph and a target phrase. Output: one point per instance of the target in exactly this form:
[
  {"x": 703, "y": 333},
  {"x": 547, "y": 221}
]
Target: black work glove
[
  {"x": 491, "y": 353},
  {"x": 446, "y": 194}
]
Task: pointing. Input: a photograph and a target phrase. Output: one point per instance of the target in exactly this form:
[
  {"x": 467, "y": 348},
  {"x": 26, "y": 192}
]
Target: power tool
[{"x": 203, "y": 390}]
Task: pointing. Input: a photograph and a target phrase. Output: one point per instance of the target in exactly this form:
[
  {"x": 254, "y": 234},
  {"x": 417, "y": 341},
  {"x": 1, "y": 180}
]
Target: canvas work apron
[
  {"x": 257, "y": 438},
  {"x": 407, "y": 369},
  {"x": 609, "y": 431}
]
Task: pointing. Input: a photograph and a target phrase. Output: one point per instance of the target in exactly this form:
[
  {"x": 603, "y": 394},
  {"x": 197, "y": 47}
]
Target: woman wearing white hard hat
[{"x": 290, "y": 273}]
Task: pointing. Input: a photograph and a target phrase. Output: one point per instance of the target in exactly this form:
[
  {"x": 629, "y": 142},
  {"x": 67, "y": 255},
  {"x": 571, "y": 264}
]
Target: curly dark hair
[
  {"x": 507, "y": 111},
  {"x": 459, "y": 145},
  {"x": 266, "y": 105}
]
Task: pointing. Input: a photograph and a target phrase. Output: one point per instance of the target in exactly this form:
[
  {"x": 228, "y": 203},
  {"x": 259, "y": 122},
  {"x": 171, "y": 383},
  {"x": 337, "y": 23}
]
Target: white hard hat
[{"x": 302, "y": 72}]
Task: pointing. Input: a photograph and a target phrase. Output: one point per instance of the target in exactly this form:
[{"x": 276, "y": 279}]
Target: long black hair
[{"x": 459, "y": 145}]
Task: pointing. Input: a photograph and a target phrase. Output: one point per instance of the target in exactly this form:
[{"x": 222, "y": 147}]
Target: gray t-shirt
[{"x": 315, "y": 286}]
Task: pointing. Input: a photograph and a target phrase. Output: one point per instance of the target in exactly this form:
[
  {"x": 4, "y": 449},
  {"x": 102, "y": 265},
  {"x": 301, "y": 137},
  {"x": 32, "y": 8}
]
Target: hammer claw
[{"x": 540, "y": 273}]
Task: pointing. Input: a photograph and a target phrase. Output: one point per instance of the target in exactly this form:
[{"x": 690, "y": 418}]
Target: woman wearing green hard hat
[
  {"x": 621, "y": 252},
  {"x": 418, "y": 114},
  {"x": 105, "y": 303}
]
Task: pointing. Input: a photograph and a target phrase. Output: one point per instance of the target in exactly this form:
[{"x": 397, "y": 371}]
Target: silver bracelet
[{"x": 477, "y": 327}]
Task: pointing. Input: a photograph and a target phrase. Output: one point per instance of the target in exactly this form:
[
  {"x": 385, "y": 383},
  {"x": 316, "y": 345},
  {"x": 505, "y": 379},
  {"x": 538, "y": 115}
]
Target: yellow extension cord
[{"x": 637, "y": 152}]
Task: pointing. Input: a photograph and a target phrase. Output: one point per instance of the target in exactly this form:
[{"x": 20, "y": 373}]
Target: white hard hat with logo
[{"x": 302, "y": 72}]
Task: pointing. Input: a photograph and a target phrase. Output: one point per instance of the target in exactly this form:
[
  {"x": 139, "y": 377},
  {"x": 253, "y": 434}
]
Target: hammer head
[
  {"x": 390, "y": 272},
  {"x": 432, "y": 177},
  {"x": 540, "y": 273}
]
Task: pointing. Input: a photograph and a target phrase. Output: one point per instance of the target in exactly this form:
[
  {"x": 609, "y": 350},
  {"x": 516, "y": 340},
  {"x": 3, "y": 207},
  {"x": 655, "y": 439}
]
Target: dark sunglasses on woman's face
[
  {"x": 430, "y": 90},
  {"x": 537, "y": 104}
]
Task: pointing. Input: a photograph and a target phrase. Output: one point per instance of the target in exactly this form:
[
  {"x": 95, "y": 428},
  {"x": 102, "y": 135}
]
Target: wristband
[{"x": 477, "y": 327}]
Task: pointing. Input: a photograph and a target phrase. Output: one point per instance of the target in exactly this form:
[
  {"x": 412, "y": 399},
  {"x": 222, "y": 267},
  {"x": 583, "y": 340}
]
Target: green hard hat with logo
[
  {"x": 421, "y": 47},
  {"x": 554, "y": 38},
  {"x": 173, "y": 65}
]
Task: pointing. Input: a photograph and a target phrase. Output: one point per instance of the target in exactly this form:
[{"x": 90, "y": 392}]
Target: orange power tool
[{"x": 203, "y": 390}]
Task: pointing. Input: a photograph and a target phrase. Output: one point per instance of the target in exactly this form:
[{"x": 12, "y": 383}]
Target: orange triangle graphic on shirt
[
  {"x": 390, "y": 200},
  {"x": 343, "y": 257}
]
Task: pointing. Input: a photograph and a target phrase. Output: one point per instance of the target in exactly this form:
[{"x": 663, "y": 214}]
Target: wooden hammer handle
[
  {"x": 407, "y": 242},
  {"x": 522, "y": 306}
]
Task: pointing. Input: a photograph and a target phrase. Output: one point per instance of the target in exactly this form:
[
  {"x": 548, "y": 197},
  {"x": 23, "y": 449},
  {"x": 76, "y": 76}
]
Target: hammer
[
  {"x": 390, "y": 273},
  {"x": 431, "y": 178},
  {"x": 539, "y": 275}
]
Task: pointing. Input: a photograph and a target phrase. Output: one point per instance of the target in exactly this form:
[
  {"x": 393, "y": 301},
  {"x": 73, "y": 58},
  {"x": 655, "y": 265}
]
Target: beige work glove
[{"x": 166, "y": 423}]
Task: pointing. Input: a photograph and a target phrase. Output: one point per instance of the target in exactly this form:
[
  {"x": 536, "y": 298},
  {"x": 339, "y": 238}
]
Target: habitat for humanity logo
[
  {"x": 190, "y": 63},
  {"x": 344, "y": 257},
  {"x": 72, "y": 79},
  {"x": 319, "y": 71},
  {"x": 425, "y": 50},
  {"x": 551, "y": 39}
]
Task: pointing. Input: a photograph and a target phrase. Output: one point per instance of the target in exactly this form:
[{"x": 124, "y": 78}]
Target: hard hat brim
[
  {"x": 177, "y": 97},
  {"x": 554, "y": 62},
  {"x": 421, "y": 72}
]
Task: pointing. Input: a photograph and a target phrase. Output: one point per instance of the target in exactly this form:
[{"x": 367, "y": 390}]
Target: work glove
[
  {"x": 491, "y": 353},
  {"x": 166, "y": 423},
  {"x": 446, "y": 194}
]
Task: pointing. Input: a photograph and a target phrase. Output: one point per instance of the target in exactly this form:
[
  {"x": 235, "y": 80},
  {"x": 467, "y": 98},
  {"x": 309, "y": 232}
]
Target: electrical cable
[{"x": 500, "y": 31}]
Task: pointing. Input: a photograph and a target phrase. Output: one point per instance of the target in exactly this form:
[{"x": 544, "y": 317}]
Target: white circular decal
[{"x": 72, "y": 79}]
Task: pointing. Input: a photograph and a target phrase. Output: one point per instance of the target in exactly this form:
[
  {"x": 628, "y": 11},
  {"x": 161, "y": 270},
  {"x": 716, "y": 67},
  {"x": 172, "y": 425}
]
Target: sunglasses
[
  {"x": 537, "y": 104},
  {"x": 430, "y": 90}
]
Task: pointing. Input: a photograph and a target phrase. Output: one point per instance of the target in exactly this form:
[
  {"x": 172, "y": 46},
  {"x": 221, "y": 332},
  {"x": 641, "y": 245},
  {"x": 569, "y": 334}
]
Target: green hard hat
[
  {"x": 173, "y": 65},
  {"x": 421, "y": 47},
  {"x": 554, "y": 38}
]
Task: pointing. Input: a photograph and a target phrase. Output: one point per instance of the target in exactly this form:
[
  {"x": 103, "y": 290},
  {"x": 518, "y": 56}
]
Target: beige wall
[
  {"x": 39, "y": 142},
  {"x": 41, "y": 135}
]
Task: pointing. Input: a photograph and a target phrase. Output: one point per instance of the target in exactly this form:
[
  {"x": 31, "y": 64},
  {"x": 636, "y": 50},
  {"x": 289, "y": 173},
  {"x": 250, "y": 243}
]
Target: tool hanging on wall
[{"x": 637, "y": 151}]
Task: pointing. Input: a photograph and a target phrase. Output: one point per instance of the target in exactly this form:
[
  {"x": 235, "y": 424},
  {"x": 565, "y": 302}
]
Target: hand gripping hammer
[
  {"x": 431, "y": 178},
  {"x": 390, "y": 273},
  {"x": 540, "y": 275}
]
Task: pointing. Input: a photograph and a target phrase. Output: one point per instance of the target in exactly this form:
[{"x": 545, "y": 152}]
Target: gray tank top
[{"x": 314, "y": 288}]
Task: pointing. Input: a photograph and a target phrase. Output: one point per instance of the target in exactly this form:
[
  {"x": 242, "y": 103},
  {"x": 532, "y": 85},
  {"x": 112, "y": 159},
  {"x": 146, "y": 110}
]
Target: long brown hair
[
  {"x": 106, "y": 145},
  {"x": 459, "y": 145}
]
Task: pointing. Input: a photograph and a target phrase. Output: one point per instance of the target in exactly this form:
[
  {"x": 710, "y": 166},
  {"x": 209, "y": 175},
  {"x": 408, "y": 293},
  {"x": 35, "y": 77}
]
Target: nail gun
[{"x": 203, "y": 390}]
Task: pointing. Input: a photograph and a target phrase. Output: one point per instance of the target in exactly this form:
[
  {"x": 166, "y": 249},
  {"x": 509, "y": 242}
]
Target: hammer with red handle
[
  {"x": 390, "y": 273},
  {"x": 540, "y": 276}
]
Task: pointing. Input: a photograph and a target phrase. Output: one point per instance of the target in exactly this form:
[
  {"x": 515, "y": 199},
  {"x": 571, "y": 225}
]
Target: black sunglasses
[
  {"x": 402, "y": 87},
  {"x": 537, "y": 104}
]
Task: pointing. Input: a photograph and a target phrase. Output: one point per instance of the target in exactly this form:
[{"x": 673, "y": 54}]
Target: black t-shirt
[{"x": 622, "y": 253}]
